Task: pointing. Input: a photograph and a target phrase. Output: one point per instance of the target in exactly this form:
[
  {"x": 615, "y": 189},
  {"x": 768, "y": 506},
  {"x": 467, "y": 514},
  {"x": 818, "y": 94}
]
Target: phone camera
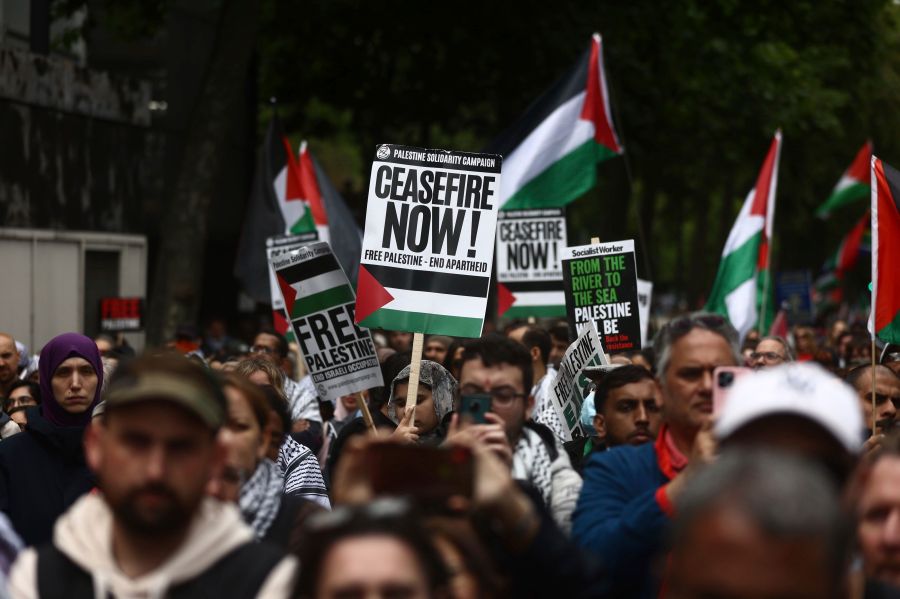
[{"x": 726, "y": 379}]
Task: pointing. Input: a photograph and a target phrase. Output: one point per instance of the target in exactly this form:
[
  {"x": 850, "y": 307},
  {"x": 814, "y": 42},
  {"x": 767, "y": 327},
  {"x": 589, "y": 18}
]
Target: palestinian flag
[
  {"x": 331, "y": 216},
  {"x": 852, "y": 246},
  {"x": 550, "y": 153},
  {"x": 829, "y": 286},
  {"x": 291, "y": 196},
  {"x": 275, "y": 207},
  {"x": 313, "y": 286},
  {"x": 308, "y": 189},
  {"x": 401, "y": 299},
  {"x": 742, "y": 278},
  {"x": 884, "y": 319},
  {"x": 545, "y": 299},
  {"x": 853, "y": 185}
]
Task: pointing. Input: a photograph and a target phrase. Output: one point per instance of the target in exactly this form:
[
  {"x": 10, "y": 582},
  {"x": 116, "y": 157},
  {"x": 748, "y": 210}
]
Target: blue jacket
[
  {"x": 619, "y": 517},
  {"x": 42, "y": 473}
]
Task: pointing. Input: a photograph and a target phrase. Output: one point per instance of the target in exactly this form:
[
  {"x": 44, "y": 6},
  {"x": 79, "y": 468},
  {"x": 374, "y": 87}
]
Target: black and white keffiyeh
[
  {"x": 261, "y": 497},
  {"x": 532, "y": 463},
  {"x": 302, "y": 476}
]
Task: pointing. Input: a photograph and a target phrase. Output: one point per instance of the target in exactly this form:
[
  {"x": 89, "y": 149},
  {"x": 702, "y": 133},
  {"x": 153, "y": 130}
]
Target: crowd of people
[{"x": 211, "y": 468}]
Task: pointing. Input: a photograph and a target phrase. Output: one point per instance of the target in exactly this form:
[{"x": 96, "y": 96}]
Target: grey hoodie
[{"x": 84, "y": 534}]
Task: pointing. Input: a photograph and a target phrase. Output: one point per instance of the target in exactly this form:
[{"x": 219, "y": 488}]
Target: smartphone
[
  {"x": 428, "y": 475},
  {"x": 724, "y": 378},
  {"x": 474, "y": 407}
]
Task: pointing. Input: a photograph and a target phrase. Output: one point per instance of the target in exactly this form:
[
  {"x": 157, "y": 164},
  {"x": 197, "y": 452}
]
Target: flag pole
[
  {"x": 769, "y": 233},
  {"x": 874, "y": 415},
  {"x": 762, "y": 319}
]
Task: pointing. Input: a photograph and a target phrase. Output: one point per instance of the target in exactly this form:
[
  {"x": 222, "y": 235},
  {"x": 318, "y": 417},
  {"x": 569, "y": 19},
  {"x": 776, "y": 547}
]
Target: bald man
[{"x": 9, "y": 362}]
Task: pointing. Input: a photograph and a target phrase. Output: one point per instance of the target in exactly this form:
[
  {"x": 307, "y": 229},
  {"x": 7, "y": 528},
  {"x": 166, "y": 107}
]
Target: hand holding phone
[
  {"x": 429, "y": 475},
  {"x": 473, "y": 407},
  {"x": 724, "y": 378}
]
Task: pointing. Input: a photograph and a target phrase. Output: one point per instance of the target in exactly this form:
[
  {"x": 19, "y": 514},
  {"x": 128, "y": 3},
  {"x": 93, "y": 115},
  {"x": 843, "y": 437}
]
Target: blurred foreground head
[
  {"x": 876, "y": 496},
  {"x": 377, "y": 550},
  {"x": 799, "y": 409},
  {"x": 758, "y": 524}
]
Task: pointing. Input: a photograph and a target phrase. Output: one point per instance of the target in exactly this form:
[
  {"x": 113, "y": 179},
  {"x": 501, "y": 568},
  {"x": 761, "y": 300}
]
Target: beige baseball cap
[{"x": 162, "y": 386}]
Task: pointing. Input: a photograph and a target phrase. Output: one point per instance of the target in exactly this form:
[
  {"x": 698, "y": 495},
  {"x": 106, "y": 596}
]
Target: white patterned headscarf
[{"x": 436, "y": 378}]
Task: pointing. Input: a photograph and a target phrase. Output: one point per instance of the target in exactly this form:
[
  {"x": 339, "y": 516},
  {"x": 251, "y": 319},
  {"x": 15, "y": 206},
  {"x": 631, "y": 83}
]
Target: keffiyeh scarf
[
  {"x": 532, "y": 463},
  {"x": 261, "y": 497}
]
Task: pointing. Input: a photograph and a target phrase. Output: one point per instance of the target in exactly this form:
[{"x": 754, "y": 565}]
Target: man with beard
[
  {"x": 151, "y": 531},
  {"x": 627, "y": 402}
]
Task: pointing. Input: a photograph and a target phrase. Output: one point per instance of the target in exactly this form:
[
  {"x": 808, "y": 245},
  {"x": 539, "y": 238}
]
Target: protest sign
[
  {"x": 530, "y": 244},
  {"x": 319, "y": 302},
  {"x": 571, "y": 385},
  {"x": 645, "y": 296},
  {"x": 601, "y": 288},
  {"x": 428, "y": 246},
  {"x": 277, "y": 246},
  {"x": 119, "y": 314}
]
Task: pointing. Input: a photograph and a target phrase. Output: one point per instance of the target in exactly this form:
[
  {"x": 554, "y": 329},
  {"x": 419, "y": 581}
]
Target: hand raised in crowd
[
  {"x": 406, "y": 431},
  {"x": 705, "y": 445},
  {"x": 350, "y": 483},
  {"x": 491, "y": 435},
  {"x": 872, "y": 446},
  {"x": 703, "y": 453},
  {"x": 495, "y": 493}
]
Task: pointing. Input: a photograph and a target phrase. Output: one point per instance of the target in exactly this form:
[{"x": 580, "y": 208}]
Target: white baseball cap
[{"x": 802, "y": 389}]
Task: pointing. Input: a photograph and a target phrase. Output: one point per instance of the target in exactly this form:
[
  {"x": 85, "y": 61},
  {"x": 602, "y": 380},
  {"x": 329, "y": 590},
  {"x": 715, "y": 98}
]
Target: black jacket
[{"x": 42, "y": 473}]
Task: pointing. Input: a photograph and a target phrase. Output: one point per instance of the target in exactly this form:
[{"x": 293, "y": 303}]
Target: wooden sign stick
[
  {"x": 366, "y": 414},
  {"x": 415, "y": 366}
]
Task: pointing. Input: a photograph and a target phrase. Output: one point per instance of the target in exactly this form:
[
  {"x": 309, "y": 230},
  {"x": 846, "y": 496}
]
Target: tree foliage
[{"x": 698, "y": 89}]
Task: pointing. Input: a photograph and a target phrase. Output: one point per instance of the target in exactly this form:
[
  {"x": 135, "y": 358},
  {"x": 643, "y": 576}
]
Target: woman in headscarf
[
  {"x": 251, "y": 479},
  {"x": 434, "y": 402},
  {"x": 42, "y": 470}
]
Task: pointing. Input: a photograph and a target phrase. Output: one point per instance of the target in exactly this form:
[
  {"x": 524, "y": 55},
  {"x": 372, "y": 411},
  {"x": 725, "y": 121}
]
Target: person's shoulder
[
  {"x": 623, "y": 455},
  {"x": 17, "y": 443}
]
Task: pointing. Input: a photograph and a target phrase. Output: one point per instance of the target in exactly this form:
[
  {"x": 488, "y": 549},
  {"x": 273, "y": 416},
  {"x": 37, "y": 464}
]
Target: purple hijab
[{"x": 58, "y": 350}]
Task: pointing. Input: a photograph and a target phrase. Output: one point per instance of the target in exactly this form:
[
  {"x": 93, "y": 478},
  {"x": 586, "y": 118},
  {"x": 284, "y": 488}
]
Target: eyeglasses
[
  {"x": 501, "y": 396},
  {"x": 768, "y": 356},
  {"x": 261, "y": 349}
]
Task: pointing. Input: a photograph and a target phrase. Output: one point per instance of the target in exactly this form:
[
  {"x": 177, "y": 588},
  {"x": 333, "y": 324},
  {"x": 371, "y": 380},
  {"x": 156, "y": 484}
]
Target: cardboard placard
[
  {"x": 601, "y": 288},
  {"x": 530, "y": 244},
  {"x": 118, "y": 314},
  {"x": 319, "y": 303},
  {"x": 428, "y": 246},
  {"x": 571, "y": 385}
]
